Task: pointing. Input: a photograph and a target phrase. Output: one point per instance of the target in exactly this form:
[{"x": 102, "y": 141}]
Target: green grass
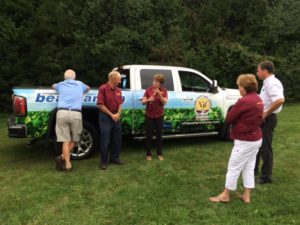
[{"x": 174, "y": 191}]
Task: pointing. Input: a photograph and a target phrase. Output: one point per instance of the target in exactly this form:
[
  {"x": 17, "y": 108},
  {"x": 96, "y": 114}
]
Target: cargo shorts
[{"x": 68, "y": 125}]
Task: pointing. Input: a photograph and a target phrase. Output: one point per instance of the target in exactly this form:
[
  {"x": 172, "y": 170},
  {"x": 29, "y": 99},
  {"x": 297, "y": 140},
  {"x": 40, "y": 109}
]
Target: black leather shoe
[
  {"x": 263, "y": 181},
  {"x": 103, "y": 166},
  {"x": 117, "y": 161}
]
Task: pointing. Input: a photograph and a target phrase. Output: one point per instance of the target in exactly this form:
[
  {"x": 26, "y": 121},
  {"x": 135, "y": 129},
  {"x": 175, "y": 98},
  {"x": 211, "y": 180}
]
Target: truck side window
[
  {"x": 192, "y": 82},
  {"x": 125, "y": 81},
  {"x": 147, "y": 78}
]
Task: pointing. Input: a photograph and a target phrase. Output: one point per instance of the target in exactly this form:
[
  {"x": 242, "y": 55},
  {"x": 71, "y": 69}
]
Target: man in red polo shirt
[{"x": 110, "y": 104}]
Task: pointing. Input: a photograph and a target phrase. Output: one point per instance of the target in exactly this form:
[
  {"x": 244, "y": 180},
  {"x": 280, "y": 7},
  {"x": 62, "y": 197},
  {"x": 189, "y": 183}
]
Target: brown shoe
[
  {"x": 160, "y": 157},
  {"x": 148, "y": 157},
  {"x": 60, "y": 162},
  {"x": 64, "y": 168},
  {"x": 68, "y": 169}
]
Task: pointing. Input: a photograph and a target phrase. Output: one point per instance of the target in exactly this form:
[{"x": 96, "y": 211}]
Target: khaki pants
[{"x": 68, "y": 125}]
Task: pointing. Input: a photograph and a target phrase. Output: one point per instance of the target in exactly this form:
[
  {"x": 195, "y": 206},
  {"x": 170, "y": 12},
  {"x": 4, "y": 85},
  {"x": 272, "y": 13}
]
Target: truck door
[
  {"x": 201, "y": 109},
  {"x": 145, "y": 78},
  {"x": 127, "y": 106}
]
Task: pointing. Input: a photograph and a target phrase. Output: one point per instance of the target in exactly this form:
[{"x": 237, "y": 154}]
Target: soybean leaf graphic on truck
[{"x": 197, "y": 106}]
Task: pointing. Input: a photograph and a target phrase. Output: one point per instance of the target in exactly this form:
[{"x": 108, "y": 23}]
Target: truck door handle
[{"x": 187, "y": 99}]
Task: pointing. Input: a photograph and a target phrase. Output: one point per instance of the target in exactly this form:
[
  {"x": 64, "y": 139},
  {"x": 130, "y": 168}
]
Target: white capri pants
[{"x": 242, "y": 159}]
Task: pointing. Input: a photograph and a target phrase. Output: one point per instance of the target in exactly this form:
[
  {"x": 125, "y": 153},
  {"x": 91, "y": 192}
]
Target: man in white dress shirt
[{"x": 273, "y": 98}]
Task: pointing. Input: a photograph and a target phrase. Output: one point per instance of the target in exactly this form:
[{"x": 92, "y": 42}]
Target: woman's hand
[
  {"x": 151, "y": 99},
  {"x": 146, "y": 100},
  {"x": 157, "y": 91},
  {"x": 161, "y": 97}
]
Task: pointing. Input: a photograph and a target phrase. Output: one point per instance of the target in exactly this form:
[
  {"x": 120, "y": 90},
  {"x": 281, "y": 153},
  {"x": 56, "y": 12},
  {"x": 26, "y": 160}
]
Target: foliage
[
  {"x": 39, "y": 40},
  {"x": 134, "y": 119},
  {"x": 37, "y": 123}
]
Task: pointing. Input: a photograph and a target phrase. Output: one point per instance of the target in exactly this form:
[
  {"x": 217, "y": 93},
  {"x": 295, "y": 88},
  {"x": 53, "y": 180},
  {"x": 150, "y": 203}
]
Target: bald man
[{"x": 68, "y": 117}]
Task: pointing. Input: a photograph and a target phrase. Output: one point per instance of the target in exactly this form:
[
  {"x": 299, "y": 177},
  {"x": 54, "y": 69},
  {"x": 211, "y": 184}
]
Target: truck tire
[
  {"x": 224, "y": 132},
  {"x": 88, "y": 143}
]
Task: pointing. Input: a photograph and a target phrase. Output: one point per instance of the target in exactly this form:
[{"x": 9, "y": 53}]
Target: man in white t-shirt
[{"x": 273, "y": 98}]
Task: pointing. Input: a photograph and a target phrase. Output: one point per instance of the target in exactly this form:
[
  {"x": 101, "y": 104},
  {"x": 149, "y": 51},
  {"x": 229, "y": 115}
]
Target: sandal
[
  {"x": 160, "y": 158},
  {"x": 218, "y": 199},
  {"x": 243, "y": 199}
]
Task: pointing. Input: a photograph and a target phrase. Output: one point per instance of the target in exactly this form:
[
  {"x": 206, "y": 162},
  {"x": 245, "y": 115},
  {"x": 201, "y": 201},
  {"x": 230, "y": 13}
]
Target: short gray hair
[
  {"x": 70, "y": 74},
  {"x": 113, "y": 74}
]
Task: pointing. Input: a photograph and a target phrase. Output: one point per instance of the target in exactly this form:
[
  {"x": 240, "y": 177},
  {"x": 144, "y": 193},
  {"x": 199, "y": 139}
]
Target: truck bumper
[{"x": 15, "y": 130}]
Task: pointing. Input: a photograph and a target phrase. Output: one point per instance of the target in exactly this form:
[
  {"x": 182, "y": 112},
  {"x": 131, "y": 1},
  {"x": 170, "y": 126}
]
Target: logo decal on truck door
[{"x": 202, "y": 107}]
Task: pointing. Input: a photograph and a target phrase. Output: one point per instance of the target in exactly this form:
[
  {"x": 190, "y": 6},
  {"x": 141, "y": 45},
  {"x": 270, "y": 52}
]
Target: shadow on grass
[
  {"x": 130, "y": 145},
  {"x": 17, "y": 156},
  {"x": 44, "y": 151}
]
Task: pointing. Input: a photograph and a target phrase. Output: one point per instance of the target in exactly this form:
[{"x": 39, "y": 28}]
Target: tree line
[{"x": 39, "y": 40}]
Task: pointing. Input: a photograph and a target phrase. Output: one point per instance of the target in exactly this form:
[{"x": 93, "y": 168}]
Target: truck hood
[{"x": 232, "y": 94}]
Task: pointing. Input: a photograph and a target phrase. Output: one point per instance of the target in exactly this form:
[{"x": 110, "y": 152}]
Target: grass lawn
[{"x": 174, "y": 191}]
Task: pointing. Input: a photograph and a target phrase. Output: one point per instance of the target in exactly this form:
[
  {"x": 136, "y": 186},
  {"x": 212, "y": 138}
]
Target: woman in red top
[
  {"x": 155, "y": 98},
  {"x": 245, "y": 118}
]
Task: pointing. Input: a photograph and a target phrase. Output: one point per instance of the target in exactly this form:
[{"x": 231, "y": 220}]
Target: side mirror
[{"x": 214, "y": 87}]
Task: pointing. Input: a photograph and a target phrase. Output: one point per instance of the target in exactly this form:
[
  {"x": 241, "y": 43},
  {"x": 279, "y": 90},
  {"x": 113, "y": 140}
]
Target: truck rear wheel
[{"x": 87, "y": 144}]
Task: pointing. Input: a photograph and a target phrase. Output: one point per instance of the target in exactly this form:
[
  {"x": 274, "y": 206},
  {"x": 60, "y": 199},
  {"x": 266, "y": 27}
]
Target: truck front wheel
[
  {"x": 224, "y": 132},
  {"x": 87, "y": 144}
]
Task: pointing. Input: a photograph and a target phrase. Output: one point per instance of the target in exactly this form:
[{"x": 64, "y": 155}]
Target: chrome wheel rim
[{"x": 84, "y": 145}]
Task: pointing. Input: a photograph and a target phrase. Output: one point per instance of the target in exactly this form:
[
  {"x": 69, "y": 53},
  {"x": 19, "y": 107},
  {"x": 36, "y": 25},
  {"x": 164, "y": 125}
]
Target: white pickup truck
[{"x": 197, "y": 106}]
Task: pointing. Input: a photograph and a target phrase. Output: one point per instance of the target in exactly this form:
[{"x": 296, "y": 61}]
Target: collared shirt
[
  {"x": 70, "y": 93},
  {"x": 155, "y": 109},
  {"x": 271, "y": 91},
  {"x": 246, "y": 118},
  {"x": 110, "y": 97}
]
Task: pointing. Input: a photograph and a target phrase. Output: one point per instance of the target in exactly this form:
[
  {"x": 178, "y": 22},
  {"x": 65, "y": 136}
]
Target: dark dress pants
[
  {"x": 266, "y": 150},
  {"x": 110, "y": 137},
  {"x": 152, "y": 124}
]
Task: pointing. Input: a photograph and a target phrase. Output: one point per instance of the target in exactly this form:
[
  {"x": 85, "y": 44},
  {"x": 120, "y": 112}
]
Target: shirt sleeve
[
  {"x": 165, "y": 94},
  {"x": 121, "y": 97},
  {"x": 101, "y": 93},
  {"x": 56, "y": 87},
  {"x": 84, "y": 87},
  {"x": 275, "y": 92},
  {"x": 234, "y": 114},
  {"x": 146, "y": 94}
]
